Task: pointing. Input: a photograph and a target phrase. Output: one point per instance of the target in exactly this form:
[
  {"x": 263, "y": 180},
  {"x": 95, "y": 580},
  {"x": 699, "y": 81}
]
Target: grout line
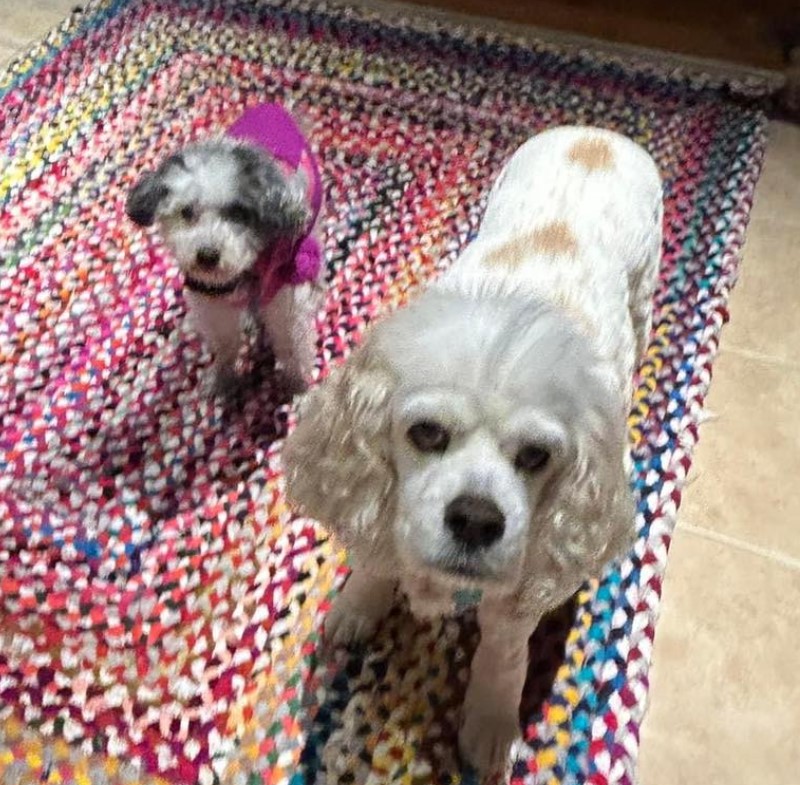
[
  {"x": 751, "y": 354},
  {"x": 757, "y": 550}
]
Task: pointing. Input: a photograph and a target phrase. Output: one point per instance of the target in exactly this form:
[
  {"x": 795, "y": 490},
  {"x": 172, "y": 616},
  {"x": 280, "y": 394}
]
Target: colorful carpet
[{"x": 160, "y": 606}]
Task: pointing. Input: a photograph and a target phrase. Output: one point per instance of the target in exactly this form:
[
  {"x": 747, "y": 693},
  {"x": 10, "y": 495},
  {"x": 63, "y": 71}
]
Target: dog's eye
[
  {"x": 237, "y": 213},
  {"x": 189, "y": 214},
  {"x": 429, "y": 437},
  {"x": 531, "y": 458}
]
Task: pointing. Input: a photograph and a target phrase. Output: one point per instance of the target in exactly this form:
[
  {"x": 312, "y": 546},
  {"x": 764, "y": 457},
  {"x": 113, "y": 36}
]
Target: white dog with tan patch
[{"x": 477, "y": 439}]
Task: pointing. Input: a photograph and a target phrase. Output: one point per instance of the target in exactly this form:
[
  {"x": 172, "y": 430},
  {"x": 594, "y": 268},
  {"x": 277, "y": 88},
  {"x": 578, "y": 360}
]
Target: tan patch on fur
[
  {"x": 555, "y": 238},
  {"x": 594, "y": 155},
  {"x": 551, "y": 239}
]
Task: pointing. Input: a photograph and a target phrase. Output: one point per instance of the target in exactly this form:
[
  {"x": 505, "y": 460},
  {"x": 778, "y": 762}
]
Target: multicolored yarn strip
[{"x": 159, "y": 605}]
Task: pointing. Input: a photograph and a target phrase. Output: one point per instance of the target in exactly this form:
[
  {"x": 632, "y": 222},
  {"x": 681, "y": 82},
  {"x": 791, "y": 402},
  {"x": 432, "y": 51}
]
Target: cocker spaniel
[{"x": 477, "y": 439}]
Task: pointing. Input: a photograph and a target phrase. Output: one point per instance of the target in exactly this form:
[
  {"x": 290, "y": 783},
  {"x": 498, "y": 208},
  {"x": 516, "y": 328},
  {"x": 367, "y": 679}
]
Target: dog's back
[{"x": 574, "y": 218}]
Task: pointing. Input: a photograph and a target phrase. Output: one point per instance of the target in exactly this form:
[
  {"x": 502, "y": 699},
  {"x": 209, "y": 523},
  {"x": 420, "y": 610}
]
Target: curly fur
[
  {"x": 343, "y": 432},
  {"x": 531, "y": 338},
  {"x": 240, "y": 203}
]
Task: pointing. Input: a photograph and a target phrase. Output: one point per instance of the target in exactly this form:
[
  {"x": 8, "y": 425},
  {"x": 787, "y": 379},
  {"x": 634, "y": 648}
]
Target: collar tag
[{"x": 464, "y": 599}]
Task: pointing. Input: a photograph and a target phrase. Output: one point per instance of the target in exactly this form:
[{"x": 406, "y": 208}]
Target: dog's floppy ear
[
  {"x": 148, "y": 193},
  {"x": 337, "y": 461},
  {"x": 591, "y": 517},
  {"x": 286, "y": 208},
  {"x": 279, "y": 203},
  {"x": 144, "y": 199},
  {"x": 294, "y": 204}
]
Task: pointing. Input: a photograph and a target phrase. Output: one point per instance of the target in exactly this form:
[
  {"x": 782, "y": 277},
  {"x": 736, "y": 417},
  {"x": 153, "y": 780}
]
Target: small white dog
[
  {"x": 239, "y": 215},
  {"x": 477, "y": 440}
]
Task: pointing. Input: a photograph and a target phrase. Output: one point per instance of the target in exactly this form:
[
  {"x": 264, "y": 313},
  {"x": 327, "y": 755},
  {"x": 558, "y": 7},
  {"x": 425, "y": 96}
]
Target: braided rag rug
[{"x": 159, "y": 605}]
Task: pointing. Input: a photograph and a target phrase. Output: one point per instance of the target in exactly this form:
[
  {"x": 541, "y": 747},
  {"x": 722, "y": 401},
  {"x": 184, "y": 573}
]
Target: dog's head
[
  {"x": 218, "y": 205},
  {"x": 470, "y": 441}
]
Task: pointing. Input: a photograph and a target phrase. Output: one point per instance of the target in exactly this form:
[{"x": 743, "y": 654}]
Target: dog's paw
[
  {"x": 486, "y": 738},
  {"x": 346, "y": 625}
]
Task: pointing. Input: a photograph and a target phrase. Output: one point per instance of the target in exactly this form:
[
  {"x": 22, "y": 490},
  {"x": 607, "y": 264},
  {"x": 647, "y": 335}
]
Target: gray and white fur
[{"x": 218, "y": 205}]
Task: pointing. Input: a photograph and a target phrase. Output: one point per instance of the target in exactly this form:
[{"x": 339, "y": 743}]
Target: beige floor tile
[
  {"x": 778, "y": 192},
  {"x": 744, "y": 481},
  {"x": 6, "y": 55},
  {"x": 725, "y": 696},
  {"x": 765, "y": 317},
  {"x": 28, "y": 21}
]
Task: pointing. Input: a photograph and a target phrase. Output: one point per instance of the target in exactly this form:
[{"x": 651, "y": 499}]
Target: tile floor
[{"x": 725, "y": 700}]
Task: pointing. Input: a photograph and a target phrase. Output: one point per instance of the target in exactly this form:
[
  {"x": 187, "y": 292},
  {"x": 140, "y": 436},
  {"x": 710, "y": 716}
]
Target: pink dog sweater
[{"x": 291, "y": 262}]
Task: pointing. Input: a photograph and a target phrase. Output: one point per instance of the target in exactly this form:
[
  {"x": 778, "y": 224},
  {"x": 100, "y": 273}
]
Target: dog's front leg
[
  {"x": 490, "y": 719},
  {"x": 220, "y": 324},
  {"x": 290, "y": 323},
  {"x": 359, "y": 607}
]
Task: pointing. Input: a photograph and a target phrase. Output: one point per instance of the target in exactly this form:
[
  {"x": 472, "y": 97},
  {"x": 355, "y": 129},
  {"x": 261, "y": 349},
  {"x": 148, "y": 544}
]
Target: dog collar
[{"x": 212, "y": 290}]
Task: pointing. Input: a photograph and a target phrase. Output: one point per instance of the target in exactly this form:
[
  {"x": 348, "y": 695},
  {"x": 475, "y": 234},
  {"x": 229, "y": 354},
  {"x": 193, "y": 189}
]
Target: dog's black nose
[
  {"x": 474, "y": 522},
  {"x": 208, "y": 258}
]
